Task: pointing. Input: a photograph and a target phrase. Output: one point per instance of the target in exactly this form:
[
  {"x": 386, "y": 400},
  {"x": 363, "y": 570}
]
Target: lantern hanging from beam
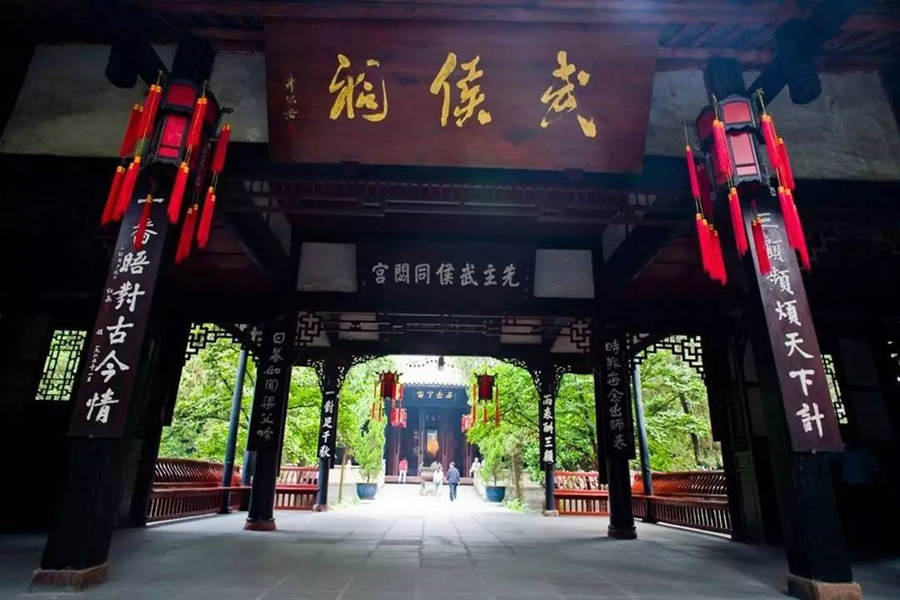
[
  {"x": 486, "y": 394},
  {"x": 734, "y": 135},
  {"x": 175, "y": 127}
]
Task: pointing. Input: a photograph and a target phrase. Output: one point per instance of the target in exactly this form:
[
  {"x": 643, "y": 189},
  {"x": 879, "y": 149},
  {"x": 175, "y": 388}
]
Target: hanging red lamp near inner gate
[{"x": 486, "y": 393}]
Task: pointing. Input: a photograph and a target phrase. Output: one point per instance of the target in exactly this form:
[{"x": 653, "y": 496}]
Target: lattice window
[
  {"x": 687, "y": 348},
  {"x": 834, "y": 389},
  {"x": 61, "y": 365}
]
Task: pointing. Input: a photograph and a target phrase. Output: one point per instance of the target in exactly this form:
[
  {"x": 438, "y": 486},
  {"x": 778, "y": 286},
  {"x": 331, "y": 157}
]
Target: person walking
[
  {"x": 404, "y": 468},
  {"x": 438, "y": 479},
  {"x": 453, "y": 480}
]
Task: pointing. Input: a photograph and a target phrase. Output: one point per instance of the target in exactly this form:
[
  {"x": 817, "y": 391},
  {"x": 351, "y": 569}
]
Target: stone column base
[
  {"x": 550, "y": 513},
  {"x": 621, "y": 533},
  {"x": 320, "y": 508},
  {"x": 73, "y": 579},
  {"x": 264, "y": 525},
  {"x": 811, "y": 589}
]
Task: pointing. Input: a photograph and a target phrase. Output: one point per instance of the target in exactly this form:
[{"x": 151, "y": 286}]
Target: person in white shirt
[
  {"x": 438, "y": 480},
  {"x": 476, "y": 464}
]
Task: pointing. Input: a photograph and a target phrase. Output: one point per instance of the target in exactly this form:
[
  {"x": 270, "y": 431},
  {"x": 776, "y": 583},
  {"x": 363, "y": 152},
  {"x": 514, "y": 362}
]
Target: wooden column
[
  {"x": 159, "y": 395},
  {"x": 801, "y": 425},
  {"x": 273, "y": 378},
  {"x": 331, "y": 375},
  {"x": 106, "y": 407},
  {"x": 233, "y": 422},
  {"x": 614, "y": 425},
  {"x": 731, "y": 430},
  {"x": 547, "y": 383}
]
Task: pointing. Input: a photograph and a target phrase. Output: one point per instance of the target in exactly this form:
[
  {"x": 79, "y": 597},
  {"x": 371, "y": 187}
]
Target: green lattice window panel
[{"x": 61, "y": 365}]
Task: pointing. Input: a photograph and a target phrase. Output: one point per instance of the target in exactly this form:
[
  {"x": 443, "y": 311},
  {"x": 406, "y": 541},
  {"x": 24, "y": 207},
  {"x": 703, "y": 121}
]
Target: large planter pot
[
  {"x": 366, "y": 491},
  {"x": 495, "y": 493}
]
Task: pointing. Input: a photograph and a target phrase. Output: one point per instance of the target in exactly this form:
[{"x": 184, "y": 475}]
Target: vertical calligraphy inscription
[
  {"x": 273, "y": 384},
  {"x": 548, "y": 430},
  {"x": 107, "y": 379},
  {"x": 615, "y": 398},
  {"x": 807, "y": 404}
]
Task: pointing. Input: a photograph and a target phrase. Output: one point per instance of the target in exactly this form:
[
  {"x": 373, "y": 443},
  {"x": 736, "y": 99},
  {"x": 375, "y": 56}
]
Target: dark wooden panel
[{"x": 517, "y": 61}]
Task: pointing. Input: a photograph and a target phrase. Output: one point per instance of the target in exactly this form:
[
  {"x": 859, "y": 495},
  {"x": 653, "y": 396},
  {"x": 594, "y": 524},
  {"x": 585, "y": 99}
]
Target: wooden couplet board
[
  {"x": 110, "y": 369},
  {"x": 614, "y": 397},
  {"x": 807, "y": 404},
  {"x": 542, "y": 95},
  {"x": 273, "y": 380}
]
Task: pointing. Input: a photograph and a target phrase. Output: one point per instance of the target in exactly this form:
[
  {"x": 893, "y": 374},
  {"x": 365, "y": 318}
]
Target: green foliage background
[
  {"x": 675, "y": 405},
  {"x": 199, "y": 426}
]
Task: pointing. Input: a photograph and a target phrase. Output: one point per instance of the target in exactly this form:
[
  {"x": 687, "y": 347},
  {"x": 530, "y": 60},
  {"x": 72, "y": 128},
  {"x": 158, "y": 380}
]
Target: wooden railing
[
  {"x": 296, "y": 488},
  {"x": 696, "y": 499},
  {"x": 185, "y": 488},
  {"x": 580, "y": 493}
]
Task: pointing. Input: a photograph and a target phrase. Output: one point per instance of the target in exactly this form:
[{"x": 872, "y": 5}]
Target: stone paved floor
[{"x": 407, "y": 547}]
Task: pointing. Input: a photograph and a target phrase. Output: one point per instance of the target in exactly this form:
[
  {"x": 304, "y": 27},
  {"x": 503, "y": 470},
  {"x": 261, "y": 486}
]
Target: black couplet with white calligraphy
[
  {"x": 614, "y": 398},
  {"x": 547, "y": 423},
  {"x": 328, "y": 425},
  {"x": 446, "y": 274},
  {"x": 273, "y": 379},
  {"x": 114, "y": 353},
  {"x": 807, "y": 404}
]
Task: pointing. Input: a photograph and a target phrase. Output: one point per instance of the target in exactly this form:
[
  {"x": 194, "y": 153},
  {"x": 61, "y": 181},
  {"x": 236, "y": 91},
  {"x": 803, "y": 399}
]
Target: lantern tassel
[
  {"x": 131, "y": 131},
  {"x": 497, "y": 406},
  {"x": 187, "y": 234},
  {"x": 484, "y": 413},
  {"x": 196, "y": 128},
  {"x": 801, "y": 247},
  {"x": 209, "y": 206},
  {"x": 181, "y": 177},
  {"x": 771, "y": 140},
  {"x": 787, "y": 214},
  {"x": 718, "y": 257},
  {"x": 759, "y": 241},
  {"x": 737, "y": 222},
  {"x": 218, "y": 162},
  {"x": 127, "y": 189},
  {"x": 143, "y": 222},
  {"x": 109, "y": 209},
  {"x": 787, "y": 173},
  {"x": 151, "y": 106},
  {"x": 703, "y": 243},
  {"x": 720, "y": 149}
]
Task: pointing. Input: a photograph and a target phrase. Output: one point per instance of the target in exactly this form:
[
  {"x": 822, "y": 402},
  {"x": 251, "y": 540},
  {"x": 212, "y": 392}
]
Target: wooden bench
[
  {"x": 185, "y": 488},
  {"x": 296, "y": 488}
]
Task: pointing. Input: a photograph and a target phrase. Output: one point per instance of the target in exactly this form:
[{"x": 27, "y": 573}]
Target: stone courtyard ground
[{"x": 403, "y": 546}]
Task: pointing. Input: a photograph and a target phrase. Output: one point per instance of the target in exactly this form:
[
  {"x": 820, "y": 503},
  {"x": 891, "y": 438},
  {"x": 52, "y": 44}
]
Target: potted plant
[
  {"x": 495, "y": 469},
  {"x": 369, "y": 452}
]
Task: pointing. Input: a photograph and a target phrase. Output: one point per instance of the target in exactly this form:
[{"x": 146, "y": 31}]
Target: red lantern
[
  {"x": 388, "y": 385},
  {"x": 485, "y": 387}
]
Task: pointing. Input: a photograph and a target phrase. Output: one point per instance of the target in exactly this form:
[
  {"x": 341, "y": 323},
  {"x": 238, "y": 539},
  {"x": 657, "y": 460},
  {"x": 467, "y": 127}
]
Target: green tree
[
  {"x": 677, "y": 415},
  {"x": 199, "y": 426}
]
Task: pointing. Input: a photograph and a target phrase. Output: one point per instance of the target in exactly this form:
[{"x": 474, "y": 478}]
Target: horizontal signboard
[{"x": 544, "y": 96}]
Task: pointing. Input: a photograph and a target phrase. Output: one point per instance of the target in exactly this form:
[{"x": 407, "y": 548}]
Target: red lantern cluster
[
  {"x": 183, "y": 137},
  {"x": 389, "y": 389},
  {"x": 485, "y": 391},
  {"x": 730, "y": 132}
]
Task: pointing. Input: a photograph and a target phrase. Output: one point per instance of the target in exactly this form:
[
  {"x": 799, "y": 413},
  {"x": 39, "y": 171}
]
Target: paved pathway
[{"x": 407, "y": 547}]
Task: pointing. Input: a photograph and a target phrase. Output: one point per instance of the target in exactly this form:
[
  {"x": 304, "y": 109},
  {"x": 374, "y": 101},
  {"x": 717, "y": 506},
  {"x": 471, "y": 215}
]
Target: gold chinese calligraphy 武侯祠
[{"x": 458, "y": 94}]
